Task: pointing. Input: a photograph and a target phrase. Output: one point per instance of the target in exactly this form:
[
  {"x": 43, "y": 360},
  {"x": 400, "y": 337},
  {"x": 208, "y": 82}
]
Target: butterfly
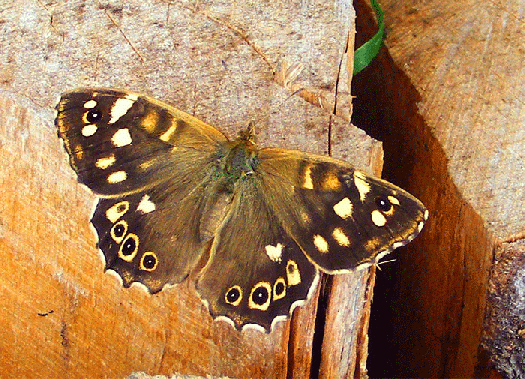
[{"x": 176, "y": 196}]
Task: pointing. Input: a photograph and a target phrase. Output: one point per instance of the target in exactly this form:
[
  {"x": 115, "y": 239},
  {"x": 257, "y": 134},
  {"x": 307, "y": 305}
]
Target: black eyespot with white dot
[
  {"x": 383, "y": 204},
  {"x": 233, "y": 295},
  {"x": 260, "y": 295},
  {"x": 149, "y": 261},
  {"x": 119, "y": 230},
  {"x": 128, "y": 248},
  {"x": 93, "y": 115}
]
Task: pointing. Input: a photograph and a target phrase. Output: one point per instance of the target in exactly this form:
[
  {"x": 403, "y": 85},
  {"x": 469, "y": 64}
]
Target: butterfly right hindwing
[{"x": 256, "y": 273}]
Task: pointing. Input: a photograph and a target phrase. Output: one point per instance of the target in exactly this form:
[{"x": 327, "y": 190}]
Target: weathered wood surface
[
  {"x": 62, "y": 315},
  {"x": 452, "y": 84}
]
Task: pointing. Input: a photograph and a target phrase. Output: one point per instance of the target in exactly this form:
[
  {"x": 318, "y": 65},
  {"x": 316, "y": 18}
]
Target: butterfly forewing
[
  {"x": 120, "y": 142},
  {"x": 339, "y": 216}
]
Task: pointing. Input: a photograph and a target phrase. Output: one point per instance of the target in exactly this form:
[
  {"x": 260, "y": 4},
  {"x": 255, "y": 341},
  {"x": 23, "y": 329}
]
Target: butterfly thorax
[{"x": 240, "y": 160}]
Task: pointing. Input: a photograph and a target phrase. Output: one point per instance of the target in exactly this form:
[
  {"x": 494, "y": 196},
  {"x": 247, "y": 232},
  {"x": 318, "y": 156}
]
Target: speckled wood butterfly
[{"x": 174, "y": 191}]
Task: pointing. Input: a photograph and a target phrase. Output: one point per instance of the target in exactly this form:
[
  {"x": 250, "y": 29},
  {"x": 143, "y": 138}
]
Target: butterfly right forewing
[{"x": 341, "y": 217}]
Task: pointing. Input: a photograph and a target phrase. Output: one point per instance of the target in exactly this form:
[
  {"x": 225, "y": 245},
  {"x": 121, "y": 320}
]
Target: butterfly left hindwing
[{"x": 171, "y": 186}]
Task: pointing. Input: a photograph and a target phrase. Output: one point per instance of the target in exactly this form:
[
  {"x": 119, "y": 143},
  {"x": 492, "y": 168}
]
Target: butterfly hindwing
[
  {"x": 256, "y": 273},
  {"x": 153, "y": 237}
]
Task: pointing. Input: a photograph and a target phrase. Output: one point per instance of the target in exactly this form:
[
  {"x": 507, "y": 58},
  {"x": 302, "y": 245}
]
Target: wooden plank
[
  {"x": 446, "y": 101},
  {"x": 66, "y": 317}
]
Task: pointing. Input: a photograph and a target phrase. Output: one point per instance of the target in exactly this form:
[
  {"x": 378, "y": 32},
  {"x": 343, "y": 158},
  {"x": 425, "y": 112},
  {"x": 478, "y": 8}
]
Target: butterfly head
[{"x": 248, "y": 134}]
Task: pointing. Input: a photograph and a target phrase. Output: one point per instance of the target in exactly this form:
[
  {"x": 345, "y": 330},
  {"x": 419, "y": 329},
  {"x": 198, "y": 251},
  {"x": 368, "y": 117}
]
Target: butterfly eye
[
  {"x": 93, "y": 115},
  {"x": 383, "y": 204}
]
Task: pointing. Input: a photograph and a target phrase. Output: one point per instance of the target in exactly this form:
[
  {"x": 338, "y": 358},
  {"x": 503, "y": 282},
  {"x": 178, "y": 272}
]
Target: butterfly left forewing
[
  {"x": 339, "y": 216},
  {"x": 121, "y": 142}
]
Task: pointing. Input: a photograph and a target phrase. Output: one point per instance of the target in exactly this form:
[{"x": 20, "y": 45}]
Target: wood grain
[
  {"x": 65, "y": 317},
  {"x": 446, "y": 99}
]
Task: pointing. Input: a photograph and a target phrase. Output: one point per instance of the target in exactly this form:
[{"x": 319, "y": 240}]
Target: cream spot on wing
[
  {"x": 120, "y": 107},
  {"x": 308, "y": 184},
  {"x": 117, "y": 211},
  {"x": 420, "y": 226},
  {"x": 122, "y": 137},
  {"x": 79, "y": 152},
  {"x": 341, "y": 238},
  {"x": 88, "y": 130},
  {"x": 331, "y": 182},
  {"x": 321, "y": 244},
  {"x": 344, "y": 208},
  {"x": 166, "y": 136},
  {"x": 150, "y": 121},
  {"x": 117, "y": 177},
  {"x": 105, "y": 162},
  {"x": 397, "y": 244},
  {"x": 378, "y": 218},
  {"x": 274, "y": 252},
  {"x": 293, "y": 275},
  {"x": 146, "y": 205},
  {"x": 393, "y": 200},
  {"x": 90, "y": 104},
  {"x": 361, "y": 184}
]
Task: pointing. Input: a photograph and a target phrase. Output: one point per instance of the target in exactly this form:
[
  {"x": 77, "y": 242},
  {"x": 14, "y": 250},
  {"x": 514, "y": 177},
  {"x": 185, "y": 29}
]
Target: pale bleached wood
[{"x": 66, "y": 317}]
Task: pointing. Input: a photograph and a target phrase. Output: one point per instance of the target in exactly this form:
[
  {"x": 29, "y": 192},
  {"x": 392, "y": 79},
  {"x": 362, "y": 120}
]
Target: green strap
[{"x": 368, "y": 51}]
